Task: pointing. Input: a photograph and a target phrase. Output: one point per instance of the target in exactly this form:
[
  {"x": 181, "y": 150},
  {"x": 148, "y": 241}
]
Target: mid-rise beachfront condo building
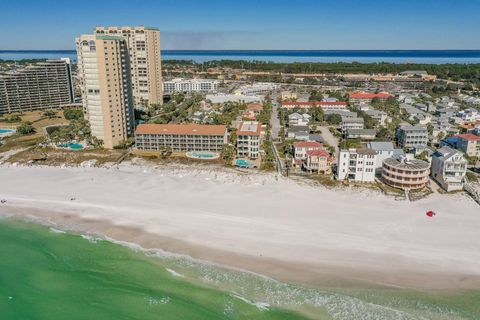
[
  {"x": 43, "y": 85},
  {"x": 180, "y": 137},
  {"x": 105, "y": 81},
  {"x": 143, "y": 48}
]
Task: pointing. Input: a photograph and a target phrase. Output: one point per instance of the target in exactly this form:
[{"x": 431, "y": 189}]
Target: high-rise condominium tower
[
  {"x": 143, "y": 45},
  {"x": 104, "y": 72}
]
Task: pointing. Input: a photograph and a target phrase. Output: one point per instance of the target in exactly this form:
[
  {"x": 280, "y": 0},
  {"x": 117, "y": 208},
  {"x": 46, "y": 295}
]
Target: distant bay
[{"x": 362, "y": 56}]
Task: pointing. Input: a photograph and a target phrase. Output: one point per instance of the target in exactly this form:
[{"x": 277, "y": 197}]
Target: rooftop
[
  {"x": 317, "y": 103},
  {"x": 401, "y": 162},
  {"x": 308, "y": 144},
  {"x": 468, "y": 137},
  {"x": 318, "y": 153},
  {"x": 367, "y": 95},
  {"x": 249, "y": 128},
  {"x": 381, "y": 145},
  {"x": 181, "y": 129}
]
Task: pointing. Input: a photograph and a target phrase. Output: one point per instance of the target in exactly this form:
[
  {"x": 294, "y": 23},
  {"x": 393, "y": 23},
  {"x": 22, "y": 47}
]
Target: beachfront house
[
  {"x": 449, "y": 168},
  {"x": 249, "y": 139},
  {"x": 356, "y": 165},
  {"x": 384, "y": 150},
  {"x": 318, "y": 161}
]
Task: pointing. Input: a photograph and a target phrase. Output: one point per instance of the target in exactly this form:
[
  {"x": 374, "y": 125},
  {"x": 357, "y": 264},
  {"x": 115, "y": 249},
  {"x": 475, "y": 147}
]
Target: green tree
[
  {"x": 73, "y": 114},
  {"x": 25, "y": 128},
  {"x": 334, "y": 119},
  {"x": 228, "y": 152},
  {"x": 50, "y": 114}
]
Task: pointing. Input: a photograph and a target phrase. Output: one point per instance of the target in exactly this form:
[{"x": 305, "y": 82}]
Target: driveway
[{"x": 329, "y": 138}]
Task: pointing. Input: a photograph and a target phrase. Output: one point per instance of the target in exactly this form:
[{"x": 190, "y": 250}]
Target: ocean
[
  {"x": 362, "y": 56},
  {"x": 47, "y": 273}
]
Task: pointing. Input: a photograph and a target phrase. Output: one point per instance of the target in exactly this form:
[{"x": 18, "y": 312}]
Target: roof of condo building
[
  {"x": 368, "y": 95},
  {"x": 249, "y": 128},
  {"x": 181, "y": 129}
]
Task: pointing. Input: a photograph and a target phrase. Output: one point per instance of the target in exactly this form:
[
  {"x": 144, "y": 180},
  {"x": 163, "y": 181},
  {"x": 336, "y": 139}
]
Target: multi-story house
[
  {"x": 301, "y": 148},
  {"x": 384, "y": 150},
  {"x": 318, "y": 161},
  {"x": 356, "y": 165},
  {"x": 249, "y": 139},
  {"x": 180, "y": 137},
  {"x": 351, "y": 123},
  {"x": 449, "y": 168},
  {"x": 469, "y": 143},
  {"x": 412, "y": 136}
]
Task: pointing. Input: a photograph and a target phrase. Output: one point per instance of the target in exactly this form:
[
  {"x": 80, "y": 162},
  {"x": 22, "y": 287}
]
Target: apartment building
[
  {"x": 43, "y": 85},
  {"x": 356, "y": 165},
  {"x": 249, "y": 139},
  {"x": 367, "y": 97},
  {"x": 105, "y": 82},
  {"x": 180, "y": 137},
  {"x": 351, "y": 123},
  {"x": 189, "y": 85},
  {"x": 449, "y": 168},
  {"x": 412, "y": 136},
  {"x": 403, "y": 173},
  {"x": 469, "y": 143},
  {"x": 143, "y": 48}
]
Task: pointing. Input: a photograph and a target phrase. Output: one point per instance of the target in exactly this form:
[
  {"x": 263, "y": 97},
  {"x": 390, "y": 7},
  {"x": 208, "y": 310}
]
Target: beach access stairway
[{"x": 473, "y": 191}]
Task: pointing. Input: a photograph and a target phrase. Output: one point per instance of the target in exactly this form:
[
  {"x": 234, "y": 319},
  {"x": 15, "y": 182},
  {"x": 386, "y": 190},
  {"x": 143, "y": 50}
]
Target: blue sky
[{"x": 250, "y": 24}]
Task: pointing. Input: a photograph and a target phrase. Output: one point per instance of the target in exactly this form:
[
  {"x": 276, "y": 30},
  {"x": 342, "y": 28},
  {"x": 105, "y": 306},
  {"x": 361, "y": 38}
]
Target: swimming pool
[
  {"x": 243, "y": 163},
  {"x": 71, "y": 145},
  {"x": 204, "y": 155},
  {"x": 5, "y": 131}
]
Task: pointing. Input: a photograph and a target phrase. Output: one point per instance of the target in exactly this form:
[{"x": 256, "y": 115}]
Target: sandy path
[{"x": 280, "y": 228}]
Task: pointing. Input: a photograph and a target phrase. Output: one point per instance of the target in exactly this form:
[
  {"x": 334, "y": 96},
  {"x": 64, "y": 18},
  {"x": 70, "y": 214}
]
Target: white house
[
  {"x": 384, "y": 150},
  {"x": 449, "y": 168},
  {"x": 357, "y": 165},
  {"x": 248, "y": 139},
  {"x": 297, "y": 119},
  {"x": 352, "y": 123}
]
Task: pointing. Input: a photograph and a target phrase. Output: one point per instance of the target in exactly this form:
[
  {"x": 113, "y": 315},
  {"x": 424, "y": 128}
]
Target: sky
[{"x": 250, "y": 24}]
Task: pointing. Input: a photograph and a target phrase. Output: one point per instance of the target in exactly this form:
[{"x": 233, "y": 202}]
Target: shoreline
[{"x": 341, "y": 264}]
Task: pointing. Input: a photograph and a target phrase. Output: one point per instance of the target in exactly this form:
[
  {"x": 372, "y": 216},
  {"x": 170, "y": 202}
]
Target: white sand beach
[{"x": 290, "y": 231}]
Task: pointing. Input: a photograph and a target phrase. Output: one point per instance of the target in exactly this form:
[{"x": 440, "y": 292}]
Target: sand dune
[{"x": 291, "y": 231}]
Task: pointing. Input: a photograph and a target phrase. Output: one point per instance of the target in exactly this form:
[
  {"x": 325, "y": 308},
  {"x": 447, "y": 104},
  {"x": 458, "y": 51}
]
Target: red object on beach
[{"x": 430, "y": 213}]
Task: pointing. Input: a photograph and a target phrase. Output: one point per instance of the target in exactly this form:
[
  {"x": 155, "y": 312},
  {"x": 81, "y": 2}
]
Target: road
[{"x": 329, "y": 138}]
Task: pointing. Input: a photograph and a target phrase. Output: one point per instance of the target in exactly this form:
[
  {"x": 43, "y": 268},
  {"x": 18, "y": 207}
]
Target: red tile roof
[
  {"x": 317, "y": 103},
  {"x": 255, "y": 106},
  {"x": 468, "y": 137},
  {"x": 367, "y": 95},
  {"x": 181, "y": 129},
  {"x": 319, "y": 153},
  {"x": 308, "y": 144}
]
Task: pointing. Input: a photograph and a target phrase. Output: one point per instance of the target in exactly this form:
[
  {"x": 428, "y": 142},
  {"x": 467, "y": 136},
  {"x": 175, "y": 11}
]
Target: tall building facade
[
  {"x": 43, "y": 85},
  {"x": 105, "y": 80},
  {"x": 143, "y": 46}
]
